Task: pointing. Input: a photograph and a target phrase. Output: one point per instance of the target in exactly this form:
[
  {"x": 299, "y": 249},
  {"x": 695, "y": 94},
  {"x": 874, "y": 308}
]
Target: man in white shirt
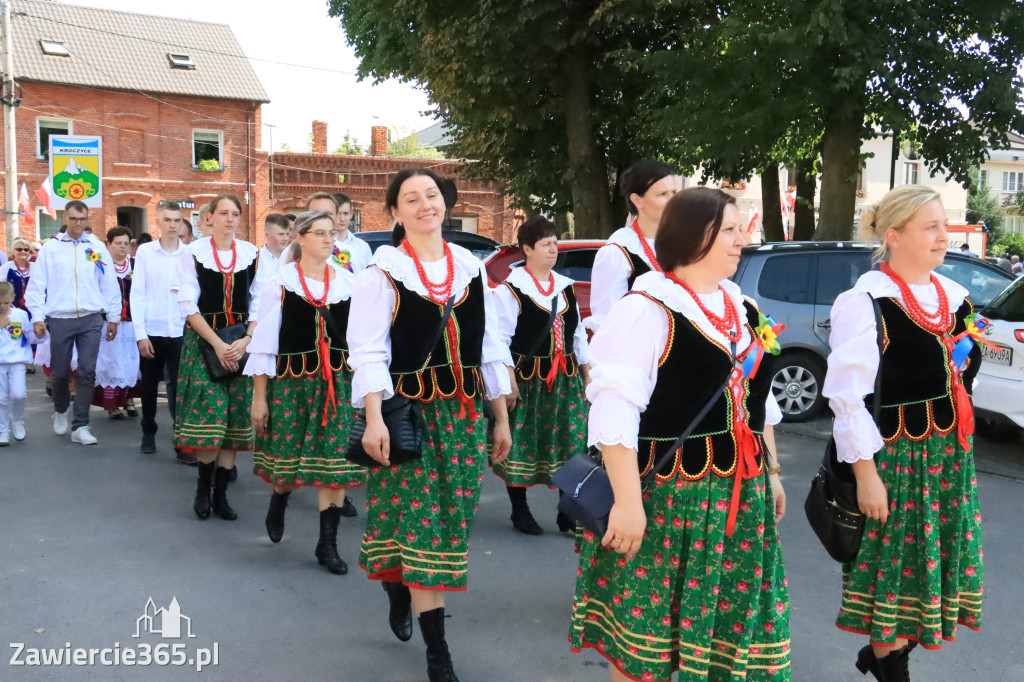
[
  {"x": 158, "y": 324},
  {"x": 350, "y": 252},
  {"x": 73, "y": 287},
  {"x": 278, "y": 235}
]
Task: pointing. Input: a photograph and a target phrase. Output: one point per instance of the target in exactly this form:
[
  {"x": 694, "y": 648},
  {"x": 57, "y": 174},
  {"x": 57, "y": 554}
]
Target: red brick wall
[
  {"x": 319, "y": 137},
  {"x": 147, "y": 149},
  {"x": 378, "y": 141}
]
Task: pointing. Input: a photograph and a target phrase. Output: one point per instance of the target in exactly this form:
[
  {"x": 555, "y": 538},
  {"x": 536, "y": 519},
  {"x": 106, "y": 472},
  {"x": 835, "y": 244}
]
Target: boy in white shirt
[{"x": 16, "y": 339}]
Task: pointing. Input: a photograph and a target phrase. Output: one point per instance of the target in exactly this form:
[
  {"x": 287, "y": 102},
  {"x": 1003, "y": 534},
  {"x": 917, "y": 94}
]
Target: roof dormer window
[
  {"x": 181, "y": 61},
  {"x": 54, "y": 48}
]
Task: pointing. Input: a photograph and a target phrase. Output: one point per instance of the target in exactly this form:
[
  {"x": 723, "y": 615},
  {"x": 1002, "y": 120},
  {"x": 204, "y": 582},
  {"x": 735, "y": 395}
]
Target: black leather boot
[
  {"x": 348, "y": 509},
  {"x": 400, "y": 615},
  {"x": 892, "y": 668},
  {"x": 148, "y": 446},
  {"x": 201, "y": 505},
  {"x": 220, "y": 495},
  {"x": 275, "y": 515},
  {"x": 327, "y": 546},
  {"x": 439, "y": 660},
  {"x": 522, "y": 519}
]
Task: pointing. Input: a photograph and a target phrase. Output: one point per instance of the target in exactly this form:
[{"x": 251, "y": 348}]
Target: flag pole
[{"x": 10, "y": 143}]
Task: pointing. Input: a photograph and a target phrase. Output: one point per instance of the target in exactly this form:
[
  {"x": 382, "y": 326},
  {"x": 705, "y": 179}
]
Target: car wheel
[{"x": 797, "y": 386}]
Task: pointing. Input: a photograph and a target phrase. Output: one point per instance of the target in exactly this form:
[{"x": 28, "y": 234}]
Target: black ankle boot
[
  {"x": 439, "y": 660},
  {"x": 327, "y": 546},
  {"x": 400, "y": 615},
  {"x": 892, "y": 668},
  {"x": 201, "y": 505},
  {"x": 275, "y": 515},
  {"x": 522, "y": 519},
  {"x": 220, "y": 495}
]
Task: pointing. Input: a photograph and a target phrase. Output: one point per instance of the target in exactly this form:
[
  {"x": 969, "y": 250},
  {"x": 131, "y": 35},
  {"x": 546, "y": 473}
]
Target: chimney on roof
[
  {"x": 379, "y": 141},
  {"x": 319, "y": 137}
]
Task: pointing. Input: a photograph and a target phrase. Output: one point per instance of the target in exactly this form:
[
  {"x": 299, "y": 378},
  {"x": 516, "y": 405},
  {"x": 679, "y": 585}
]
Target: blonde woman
[{"x": 919, "y": 570}]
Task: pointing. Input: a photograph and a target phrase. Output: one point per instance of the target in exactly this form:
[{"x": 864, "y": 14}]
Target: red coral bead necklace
[
  {"x": 317, "y": 302},
  {"x": 551, "y": 282},
  {"x": 216, "y": 259},
  {"x": 938, "y": 322},
  {"x": 438, "y": 293},
  {"x": 648, "y": 251},
  {"x": 728, "y": 324}
]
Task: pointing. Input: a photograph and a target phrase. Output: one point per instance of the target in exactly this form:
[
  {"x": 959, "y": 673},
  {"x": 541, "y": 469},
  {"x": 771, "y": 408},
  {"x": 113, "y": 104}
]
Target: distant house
[
  {"x": 166, "y": 94},
  {"x": 1003, "y": 175}
]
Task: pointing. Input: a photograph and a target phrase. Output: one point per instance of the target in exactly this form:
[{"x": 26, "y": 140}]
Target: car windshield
[
  {"x": 1008, "y": 305},
  {"x": 982, "y": 283}
]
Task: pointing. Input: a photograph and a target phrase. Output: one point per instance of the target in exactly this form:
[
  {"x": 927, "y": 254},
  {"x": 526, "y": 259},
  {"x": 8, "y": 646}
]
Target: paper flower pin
[
  {"x": 766, "y": 340},
  {"x": 16, "y": 332},
  {"x": 342, "y": 258},
  {"x": 95, "y": 258}
]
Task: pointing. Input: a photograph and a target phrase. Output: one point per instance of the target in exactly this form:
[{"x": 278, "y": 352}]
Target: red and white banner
[
  {"x": 25, "y": 206},
  {"x": 43, "y": 195}
]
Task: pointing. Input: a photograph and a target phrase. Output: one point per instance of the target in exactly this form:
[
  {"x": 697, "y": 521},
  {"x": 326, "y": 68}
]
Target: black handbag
[
  {"x": 831, "y": 505},
  {"x": 228, "y": 335},
  {"x": 402, "y": 416},
  {"x": 587, "y": 495}
]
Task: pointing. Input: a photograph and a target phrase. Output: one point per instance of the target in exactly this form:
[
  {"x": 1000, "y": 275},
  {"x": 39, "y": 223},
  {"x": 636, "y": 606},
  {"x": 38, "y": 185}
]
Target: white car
[{"x": 999, "y": 389}]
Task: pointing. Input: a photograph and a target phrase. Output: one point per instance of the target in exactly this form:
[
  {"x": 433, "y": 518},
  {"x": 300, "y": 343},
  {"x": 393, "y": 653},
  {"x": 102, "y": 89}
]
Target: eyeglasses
[
  {"x": 324, "y": 234},
  {"x": 79, "y": 221},
  {"x": 22, "y": 249}
]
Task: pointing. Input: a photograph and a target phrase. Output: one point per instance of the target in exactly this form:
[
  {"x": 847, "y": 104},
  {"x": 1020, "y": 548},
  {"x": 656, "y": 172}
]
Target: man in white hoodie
[{"x": 72, "y": 290}]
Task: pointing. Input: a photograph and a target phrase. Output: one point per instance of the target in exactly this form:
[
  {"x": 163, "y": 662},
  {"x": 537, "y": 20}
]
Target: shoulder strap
[
  {"x": 449, "y": 304},
  {"x": 535, "y": 346},
  {"x": 649, "y": 476}
]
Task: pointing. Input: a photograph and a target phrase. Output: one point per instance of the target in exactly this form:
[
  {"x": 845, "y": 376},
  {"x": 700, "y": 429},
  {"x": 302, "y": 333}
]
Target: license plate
[{"x": 1001, "y": 356}]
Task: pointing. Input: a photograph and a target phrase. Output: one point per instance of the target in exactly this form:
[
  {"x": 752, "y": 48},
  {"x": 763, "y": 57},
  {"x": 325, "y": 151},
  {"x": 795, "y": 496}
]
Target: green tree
[
  {"x": 1012, "y": 244},
  {"x": 983, "y": 207},
  {"x": 409, "y": 147},
  {"x": 350, "y": 146}
]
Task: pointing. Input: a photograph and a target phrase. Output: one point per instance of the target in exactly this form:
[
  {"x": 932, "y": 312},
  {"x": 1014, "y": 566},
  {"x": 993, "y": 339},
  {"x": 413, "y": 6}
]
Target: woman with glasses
[
  {"x": 217, "y": 287},
  {"x": 301, "y": 404},
  {"x": 18, "y": 270}
]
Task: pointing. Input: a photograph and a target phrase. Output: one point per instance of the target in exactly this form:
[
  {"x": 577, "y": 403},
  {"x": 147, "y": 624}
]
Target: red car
[{"x": 575, "y": 261}]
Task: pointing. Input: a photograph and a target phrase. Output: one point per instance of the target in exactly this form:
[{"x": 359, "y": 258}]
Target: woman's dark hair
[
  {"x": 144, "y": 238},
  {"x": 536, "y": 228},
  {"x": 639, "y": 177},
  {"x": 689, "y": 226},
  {"x": 224, "y": 197},
  {"x": 119, "y": 231},
  {"x": 391, "y": 198}
]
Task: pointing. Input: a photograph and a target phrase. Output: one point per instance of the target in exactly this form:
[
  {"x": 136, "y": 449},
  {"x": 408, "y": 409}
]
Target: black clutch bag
[
  {"x": 404, "y": 420},
  {"x": 587, "y": 495},
  {"x": 831, "y": 507},
  {"x": 228, "y": 335}
]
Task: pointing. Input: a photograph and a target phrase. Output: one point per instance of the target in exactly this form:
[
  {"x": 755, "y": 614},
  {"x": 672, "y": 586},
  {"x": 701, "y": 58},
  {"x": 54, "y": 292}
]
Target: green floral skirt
[
  {"x": 692, "y": 601},
  {"x": 420, "y": 514},
  {"x": 298, "y": 448},
  {"x": 920, "y": 574},
  {"x": 211, "y": 415},
  {"x": 548, "y": 427}
]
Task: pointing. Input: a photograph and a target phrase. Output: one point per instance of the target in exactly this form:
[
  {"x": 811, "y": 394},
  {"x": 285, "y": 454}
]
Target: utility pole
[{"x": 10, "y": 102}]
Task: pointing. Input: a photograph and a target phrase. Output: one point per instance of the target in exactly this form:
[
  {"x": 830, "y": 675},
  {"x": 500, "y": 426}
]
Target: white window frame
[
  {"x": 1016, "y": 185},
  {"x": 50, "y": 119},
  {"x": 40, "y": 212},
  {"x": 911, "y": 168},
  {"x": 220, "y": 145},
  {"x": 983, "y": 179}
]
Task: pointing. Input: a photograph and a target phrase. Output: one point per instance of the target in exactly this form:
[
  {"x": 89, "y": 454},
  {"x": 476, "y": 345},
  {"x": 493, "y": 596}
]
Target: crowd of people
[{"x": 290, "y": 348}]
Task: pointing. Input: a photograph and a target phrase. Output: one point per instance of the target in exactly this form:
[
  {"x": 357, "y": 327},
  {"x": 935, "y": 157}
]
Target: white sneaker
[
  {"x": 60, "y": 423},
  {"x": 18, "y": 430},
  {"x": 83, "y": 436},
  {"x": 5, "y": 439}
]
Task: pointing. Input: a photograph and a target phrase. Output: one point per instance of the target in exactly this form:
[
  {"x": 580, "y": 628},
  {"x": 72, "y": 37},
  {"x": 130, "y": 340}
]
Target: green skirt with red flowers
[
  {"x": 419, "y": 514},
  {"x": 920, "y": 574},
  {"x": 692, "y": 601},
  {"x": 298, "y": 448},
  {"x": 211, "y": 415},
  {"x": 548, "y": 427}
]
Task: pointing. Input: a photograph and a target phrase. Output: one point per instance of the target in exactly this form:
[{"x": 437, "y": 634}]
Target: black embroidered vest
[
  {"x": 917, "y": 380},
  {"x": 299, "y": 338},
  {"x": 532, "y": 320},
  {"x": 636, "y": 262},
  {"x": 126, "y": 289},
  {"x": 211, "y": 293},
  {"x": 692, "y": 368},
  {"x": 414, "y": 326}
]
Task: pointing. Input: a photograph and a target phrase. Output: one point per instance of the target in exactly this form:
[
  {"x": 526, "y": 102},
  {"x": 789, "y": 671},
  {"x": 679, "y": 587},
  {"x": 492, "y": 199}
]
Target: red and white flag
[
  {"x": 752, "y": 223},
  {"x": 25, "y": 206},
  {"x": 43, "y": 195}
]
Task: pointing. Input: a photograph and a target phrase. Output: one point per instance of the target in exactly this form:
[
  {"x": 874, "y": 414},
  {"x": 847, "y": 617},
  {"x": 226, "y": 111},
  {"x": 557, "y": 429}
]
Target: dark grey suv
[{"x": 797, "y": 282}]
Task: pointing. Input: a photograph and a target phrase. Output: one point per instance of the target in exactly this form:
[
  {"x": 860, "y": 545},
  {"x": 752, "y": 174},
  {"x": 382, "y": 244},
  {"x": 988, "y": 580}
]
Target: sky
[{"x": 300, "y": 32}]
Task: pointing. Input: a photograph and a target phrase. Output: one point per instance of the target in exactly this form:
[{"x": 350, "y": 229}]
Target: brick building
[
  {"x": 481, "y": 208},
  {"x": 161, "y": 101}
]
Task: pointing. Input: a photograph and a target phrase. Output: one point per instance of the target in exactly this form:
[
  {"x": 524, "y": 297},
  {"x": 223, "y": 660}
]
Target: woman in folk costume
[
  {"x": 689, "y": 577},
  {"x": 301, "y": 405},
  {"x": 630, "y": 251},
  {"x": 217, "y": 287},
  {"x": 550, "y": 416},
  {"x": 919, "y": 572},
  {"x": 18, "y": 269},
  {"x": 117, "y": 364},
  {"x": 420, "y": 513}
]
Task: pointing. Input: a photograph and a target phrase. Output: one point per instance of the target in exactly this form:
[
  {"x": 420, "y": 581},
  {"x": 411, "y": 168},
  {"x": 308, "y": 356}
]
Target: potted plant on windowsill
[{"x": 210, "y": 165}]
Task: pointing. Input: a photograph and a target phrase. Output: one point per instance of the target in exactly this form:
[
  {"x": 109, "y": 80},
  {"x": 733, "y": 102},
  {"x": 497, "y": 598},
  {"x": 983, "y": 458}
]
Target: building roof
[
  {"x": 129, "y": 51},
  {"x": 435, "y": 136}
]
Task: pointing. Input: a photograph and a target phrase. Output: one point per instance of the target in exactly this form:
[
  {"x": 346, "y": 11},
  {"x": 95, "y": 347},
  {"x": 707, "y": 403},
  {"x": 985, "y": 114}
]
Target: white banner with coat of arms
[{"x": 76, "y": 169}]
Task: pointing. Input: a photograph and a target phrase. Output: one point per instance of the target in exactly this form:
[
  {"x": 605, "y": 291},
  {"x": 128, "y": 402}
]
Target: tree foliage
[
  {"x": 350, "y": 146},
  {"x": 982, "y": 206}
]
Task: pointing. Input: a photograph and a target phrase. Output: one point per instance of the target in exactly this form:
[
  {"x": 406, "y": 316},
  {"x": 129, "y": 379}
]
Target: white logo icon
[{"x": 164, "y": 622}]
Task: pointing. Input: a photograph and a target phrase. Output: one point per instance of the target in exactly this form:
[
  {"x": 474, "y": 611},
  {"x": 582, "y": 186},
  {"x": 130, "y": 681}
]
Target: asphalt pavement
[{"x": 91, "y": 534}]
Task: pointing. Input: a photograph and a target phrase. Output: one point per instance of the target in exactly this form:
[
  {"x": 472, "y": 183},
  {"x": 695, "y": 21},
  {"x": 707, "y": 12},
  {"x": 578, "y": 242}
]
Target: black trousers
[{"x": 163, "y": 365}]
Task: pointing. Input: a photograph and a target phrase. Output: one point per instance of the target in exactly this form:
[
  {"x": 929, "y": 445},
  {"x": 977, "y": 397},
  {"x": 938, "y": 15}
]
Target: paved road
[{"x": 90, "y": 534}]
